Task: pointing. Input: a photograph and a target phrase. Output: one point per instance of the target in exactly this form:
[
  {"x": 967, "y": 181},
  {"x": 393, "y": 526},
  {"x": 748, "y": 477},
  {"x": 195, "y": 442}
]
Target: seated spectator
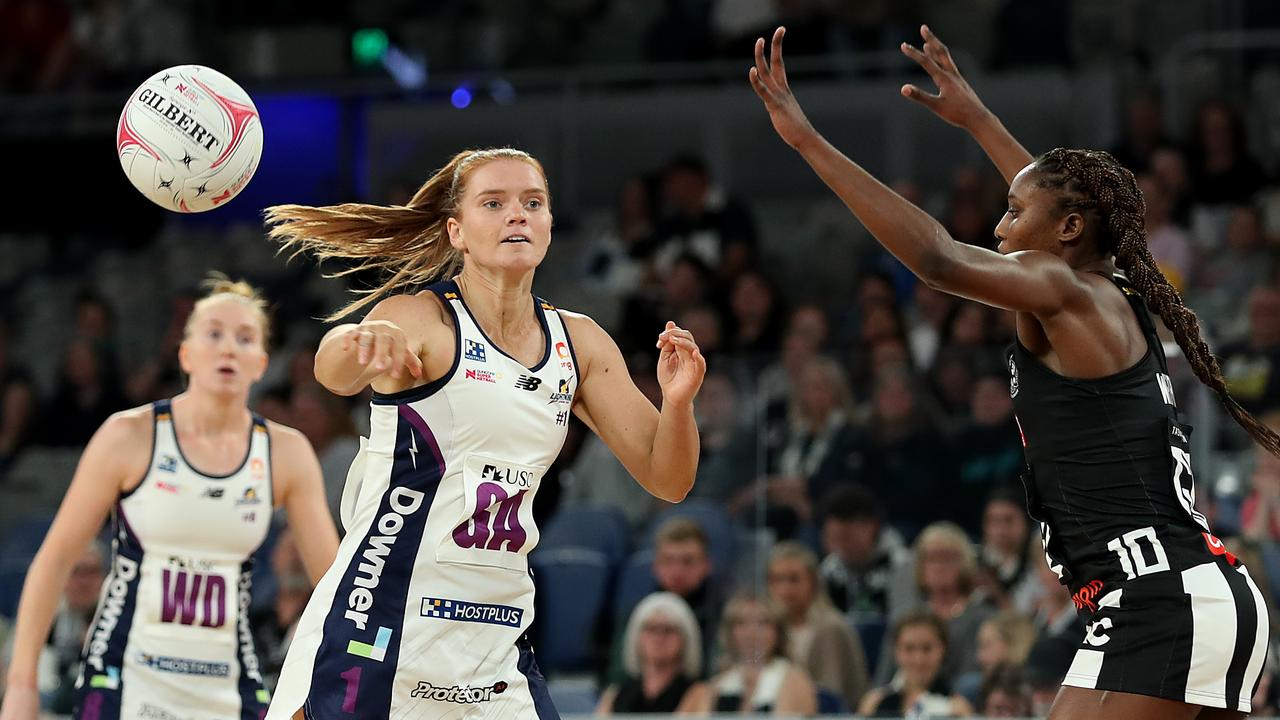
[
  {"x": 1260, "y": 512},
  {"x": 700, "y": 219},
  {"x": 1251, "y": 366},
  {"x": 1009, "y": 550},
  {"x": 867, "y": 566},
  {"x": 60, "y": 658},
  {"x": 756, "y": 320},
  {"x": 1003, "y": 641},
  {"x": 1170, "y": 244},
  {"x": 682, "y": 567},
  {"x": 988, "y": 451},
  {"x": 293, "y": 590},
  {"x": 757, "y": 676},
  {"x": 819, "y": 446},
  {"x": 1005, "y": 694},
  {"x": 1226, "y": 275},
  {"x": 86, "y": 396},
  {"x": 946, "y": 571},
  {"x": 918, "y": 688},
  {"x": 728, "y": 448},
  {"x": 905, "y": 458},
  {"x": 662, "y": 654},
  {"x": 1221, "y": 166},
  {"x": 820, "y": 641},
  {"x": 1047, "y": 664}
]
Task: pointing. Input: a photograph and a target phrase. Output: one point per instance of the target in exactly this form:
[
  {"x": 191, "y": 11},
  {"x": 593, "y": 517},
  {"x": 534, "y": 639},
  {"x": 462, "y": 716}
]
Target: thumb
[{"x": 929, "y": 100}]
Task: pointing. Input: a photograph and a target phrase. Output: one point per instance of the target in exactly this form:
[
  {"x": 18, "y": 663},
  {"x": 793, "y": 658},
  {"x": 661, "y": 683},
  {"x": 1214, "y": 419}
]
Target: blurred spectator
[
  {"x": 662, "y": 655},
  {"x": 597, "y": 477},
  {"x": 1051, "y": 610},
  {"x": 820, "y": 448},
  {"x": 1005, "y": 694},
  {"x": 323, "y": 418},
  {"x": 95, "y": 321},
  {"x": 16, "y": 403},
  {"x": 684, "y": 285},
  {"x": 1143, "y": 132},
  {"x": 925, "y": 322},
  {"x": 700, "y": 219},
  {"x": 161, "y": 376},
  {"x": 611, "y": 265},
  {"x": 918, "y": 688},
  {"x": 1009, "y": 550},
  {"x": 60, "y": 658},
  {"x": 1252, "y": 366},
  {"x": 708, "y": 327},
  {"x": 1047, "y": 664},
  {"x": 946, "y": 568},
  {"x": 681, "y": 566},
  {"x": 988, "y": 453},
  {"x": 292, "y": 591},
  {"x": 757, "y": 677},
  {"x": 1004, "y": 641},
  {"x": 906, "y": 458},
  {"x": 728, "y": 449},
  {"x": 820, "y": 640},
  {"x": 756, "y": 319},
  {"x": 1260, "y": 513},
  {"x": 1169, "y": 165},
  {"x": 1222, "y": 170},
  {"x": 85, "y": 397},
  {"x": 1228, "y": 273},
  {"x": 867, "y": 567},
  {"x": 807, "y": 333},
  {"x": 951, "y": 381},
  {"x": 1169, "y": 244}
]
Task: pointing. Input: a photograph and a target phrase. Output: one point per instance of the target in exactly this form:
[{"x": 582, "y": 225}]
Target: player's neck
[
  {"x": 504, "y": 308},
  {"x": 210, "y": 414}
]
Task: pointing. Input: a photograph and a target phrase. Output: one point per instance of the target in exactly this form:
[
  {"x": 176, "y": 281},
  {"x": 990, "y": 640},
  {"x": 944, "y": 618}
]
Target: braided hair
[{"x": 1091, "y": 182}]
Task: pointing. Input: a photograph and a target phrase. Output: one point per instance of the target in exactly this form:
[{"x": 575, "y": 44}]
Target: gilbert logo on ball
[{"x": 189, "y": 138}]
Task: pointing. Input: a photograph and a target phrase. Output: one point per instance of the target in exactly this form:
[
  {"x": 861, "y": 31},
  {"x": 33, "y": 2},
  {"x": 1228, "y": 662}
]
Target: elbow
[{"x": 935, "y": 269}]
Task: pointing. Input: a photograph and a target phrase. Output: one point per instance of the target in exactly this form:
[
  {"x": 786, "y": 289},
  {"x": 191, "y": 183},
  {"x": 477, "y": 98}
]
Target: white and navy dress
[
  {"x": 424, "y": 612},
  {"x": 171, "y": 639}
]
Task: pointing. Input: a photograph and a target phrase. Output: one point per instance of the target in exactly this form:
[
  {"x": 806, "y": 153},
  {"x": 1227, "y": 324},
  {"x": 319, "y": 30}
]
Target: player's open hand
[
  {"x": 680, "y": 365},
  {"x": 955, "y": 102},
  {"x": 769, "y": 80},
  {"x": 383, "y": 346}
]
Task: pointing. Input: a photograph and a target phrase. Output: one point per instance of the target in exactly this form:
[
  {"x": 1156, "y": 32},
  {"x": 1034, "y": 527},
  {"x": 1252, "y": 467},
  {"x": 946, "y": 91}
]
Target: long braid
[{"x": 1091, "y": 181}]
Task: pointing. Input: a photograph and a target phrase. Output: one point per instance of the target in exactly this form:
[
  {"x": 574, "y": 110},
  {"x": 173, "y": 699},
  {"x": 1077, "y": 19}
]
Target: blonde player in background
[
  {"x": 425, "y": 611},
  {"x": 190, "y": 484}
]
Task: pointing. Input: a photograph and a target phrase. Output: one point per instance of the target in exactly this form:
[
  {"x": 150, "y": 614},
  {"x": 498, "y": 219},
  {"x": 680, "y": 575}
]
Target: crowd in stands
[{"x": 856, "y": 540}]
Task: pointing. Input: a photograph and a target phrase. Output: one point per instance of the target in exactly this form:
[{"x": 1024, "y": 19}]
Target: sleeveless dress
[
  {"x": 1169, "y": 612},
  {"x": 424, "y": 612},
  {"x": 171, "y": 638}
]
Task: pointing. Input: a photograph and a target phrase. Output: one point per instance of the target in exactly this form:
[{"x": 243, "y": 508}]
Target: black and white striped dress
[{"x": 1169, "y": 611}]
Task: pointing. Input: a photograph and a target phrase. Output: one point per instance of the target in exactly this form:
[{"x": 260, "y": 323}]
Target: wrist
[{"x": 19, "y": 678}]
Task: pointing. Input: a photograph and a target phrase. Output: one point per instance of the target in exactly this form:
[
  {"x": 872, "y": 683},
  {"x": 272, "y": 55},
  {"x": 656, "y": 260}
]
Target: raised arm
[
  {"x": 958, "y": 104},
  {"x": 1034, "y": 282},
  {"x": 386, "y": 349},
  {"x": 659, "y": 448}
]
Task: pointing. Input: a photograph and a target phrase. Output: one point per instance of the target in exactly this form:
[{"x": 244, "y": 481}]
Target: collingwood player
[{"x": 1176, "y": 627}]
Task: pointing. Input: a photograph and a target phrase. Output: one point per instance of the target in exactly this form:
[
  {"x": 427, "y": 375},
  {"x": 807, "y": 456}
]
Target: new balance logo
[{"x": 528, "y": 382}]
